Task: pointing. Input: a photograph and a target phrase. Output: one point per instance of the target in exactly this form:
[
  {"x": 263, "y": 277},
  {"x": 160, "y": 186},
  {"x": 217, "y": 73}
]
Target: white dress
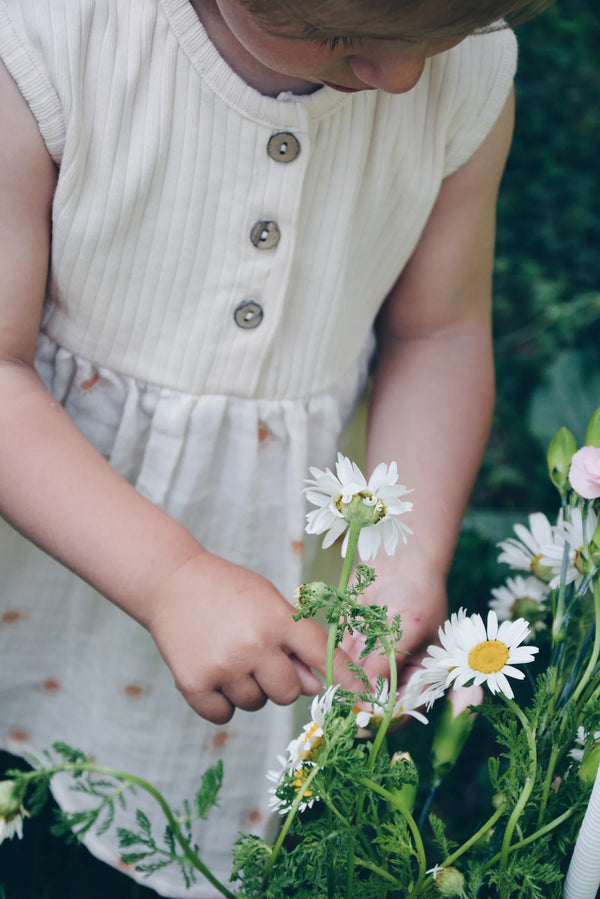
[{"x": 218, "y": 258}]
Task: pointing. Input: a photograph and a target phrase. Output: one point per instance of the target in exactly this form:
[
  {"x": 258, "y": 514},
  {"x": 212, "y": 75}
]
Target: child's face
[{"x": 350, "y": 65}]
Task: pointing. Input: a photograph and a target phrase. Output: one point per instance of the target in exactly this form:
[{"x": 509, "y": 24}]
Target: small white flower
[
  {"x": 571, "y": 532},
  {"x": 580, "y": 740},
  {"x": 521, "y": 597},
  {"x": 406, "y": 703},
  {"x": 524, "y": 553},
  {"x": 472, "y": 653},
  {"x": 10, "y": 827},
  {"x": 287, "y": 786},
  {"x": 346, "y": 495},
  {"x": 12, "y": 812},
  {"x": 300, "y": 750}
]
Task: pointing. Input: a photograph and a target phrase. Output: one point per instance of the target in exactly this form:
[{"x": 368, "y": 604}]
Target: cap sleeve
[
  {"x": 21, "y": 52},
  {"x": 481, "y": 76}
]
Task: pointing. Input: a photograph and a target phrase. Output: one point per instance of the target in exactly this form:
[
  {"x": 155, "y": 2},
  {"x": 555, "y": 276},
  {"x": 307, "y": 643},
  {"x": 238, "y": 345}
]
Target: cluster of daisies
[
  {"x": 471, "y": 651},
  {"x": 541, "y": 551}
]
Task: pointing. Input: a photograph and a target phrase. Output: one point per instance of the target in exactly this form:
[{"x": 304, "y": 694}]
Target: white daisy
[
  {"x": 289, "y": 778},
  {"x": 580, "y": 740},
  {"x": 406, "y": 704},
  {"x": 287, "y": 786},
  {"x": 472, "y": 653},
  {"x": 521, "y": 597},
  {"x": 346, "y": 496},
  {"x": 301, "y": 749},
  {"x": 571, "y": 532},
  {"x": 524, "y": 553}
]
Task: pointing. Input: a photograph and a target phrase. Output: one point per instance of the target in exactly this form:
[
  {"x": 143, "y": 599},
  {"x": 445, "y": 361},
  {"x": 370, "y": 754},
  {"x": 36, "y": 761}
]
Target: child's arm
[
  {"x": 226, "y": 633},
  {"x": 434, "y": 385}
]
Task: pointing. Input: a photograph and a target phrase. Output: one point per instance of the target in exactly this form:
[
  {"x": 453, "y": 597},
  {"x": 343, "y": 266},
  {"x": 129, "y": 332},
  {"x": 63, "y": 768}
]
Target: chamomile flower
[
  {"x": 302, "y": 748},
  {"x": 287, "y": 786},
  {"x": 474, "y": 653},
  {"x": 295, "y": 767},
  {"x": 577, "y": 533},
  {"x": 576, "y": 752},
  {"x": 346, "y": 496},
  {"x": 524, "y": 553},
  {"x": 406, "y": 703},
  {"x": 521, "y": 597}
]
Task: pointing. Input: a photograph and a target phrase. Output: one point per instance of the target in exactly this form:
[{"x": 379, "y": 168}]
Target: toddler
[{"x": 214, "y": 215}]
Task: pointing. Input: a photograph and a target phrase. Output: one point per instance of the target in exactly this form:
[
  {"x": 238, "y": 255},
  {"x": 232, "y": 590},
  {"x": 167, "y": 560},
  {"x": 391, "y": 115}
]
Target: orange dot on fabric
[
  {"x": 220, "y": 739},
  {"x": 19, "y": 736},
  {"x": 90, "y": 382},
  {"x": 133, "y": 690},
  {"x": 297, "y": 547},
  {"x": 11, "y": 617},
  {"x": 263, "y": 432},
  {"x": 51, "y": 685}
]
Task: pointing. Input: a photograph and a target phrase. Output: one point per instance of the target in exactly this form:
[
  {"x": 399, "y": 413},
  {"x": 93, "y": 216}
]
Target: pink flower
[{"x": 584, "y": 473}]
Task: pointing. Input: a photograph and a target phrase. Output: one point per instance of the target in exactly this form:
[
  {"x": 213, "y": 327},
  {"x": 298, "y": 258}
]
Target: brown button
[
  {"x": 248, "y": 314},
  {"x": 265, "y": 235},
  {"x": 283, "y": 146}
]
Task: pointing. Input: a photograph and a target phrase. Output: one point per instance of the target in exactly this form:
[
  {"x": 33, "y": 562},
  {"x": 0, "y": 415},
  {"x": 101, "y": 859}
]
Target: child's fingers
[
  {"x": 245, "y": 693},
  {"x": 213, "y": 706},
  {"x": 308, "y": 642},
  {"x": 309, "y": 682}
]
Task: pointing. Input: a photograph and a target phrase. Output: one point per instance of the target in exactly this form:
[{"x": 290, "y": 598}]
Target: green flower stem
[
  {"x": 381, "y": 872},
  {"x": 450, "y": 859},
  {"x": 412, "y": 825},
  {"x": 595, "y": 649},
  {"x": 132, "y": 780},
  {"x": 288, "y": 822},
  {"x": 353, "y": 535},
  {"x": 554, "y": 755},
  {"x": 525, "y": 792},
  {"x": 389, "y": 708},
  {"x": 535, "y": 836}
]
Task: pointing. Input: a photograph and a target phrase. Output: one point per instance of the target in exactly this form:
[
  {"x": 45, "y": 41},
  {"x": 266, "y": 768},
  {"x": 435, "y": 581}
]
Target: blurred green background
[{"x": 547, "y": 329}]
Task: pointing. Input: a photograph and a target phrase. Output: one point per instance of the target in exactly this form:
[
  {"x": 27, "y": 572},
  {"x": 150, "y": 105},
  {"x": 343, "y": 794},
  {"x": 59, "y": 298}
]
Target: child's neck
[{"x": 254, "y": 73}]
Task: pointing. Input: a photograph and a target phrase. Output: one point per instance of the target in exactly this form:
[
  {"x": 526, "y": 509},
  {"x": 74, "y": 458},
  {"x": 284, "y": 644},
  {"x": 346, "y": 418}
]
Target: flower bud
[
  {"x": 451, "y": 733},
  {"x": 408, "y": 791},
  {"x": 309, "y": 598},
  {"x": 449, "y": 882},
  {"x": 589, "y": 765},
  {"x": 592, "y": 432},
  {"x": 561, "y": 449}
]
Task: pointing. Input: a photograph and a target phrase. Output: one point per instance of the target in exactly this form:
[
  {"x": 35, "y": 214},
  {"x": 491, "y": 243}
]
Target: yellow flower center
[
  {"x": 489, "y": 656},
  {"x": 298, "y": 782}
]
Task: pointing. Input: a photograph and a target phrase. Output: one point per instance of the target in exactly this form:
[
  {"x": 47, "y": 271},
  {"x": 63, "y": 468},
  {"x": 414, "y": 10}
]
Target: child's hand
[{"x": 230, "y": 640}]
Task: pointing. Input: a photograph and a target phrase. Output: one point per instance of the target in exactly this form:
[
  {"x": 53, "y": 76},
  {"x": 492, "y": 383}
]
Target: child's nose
[{"x": 392, "y": 75}]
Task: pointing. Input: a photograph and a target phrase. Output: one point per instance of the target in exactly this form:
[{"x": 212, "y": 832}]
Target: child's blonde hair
[{"x": 410, "y": 19}]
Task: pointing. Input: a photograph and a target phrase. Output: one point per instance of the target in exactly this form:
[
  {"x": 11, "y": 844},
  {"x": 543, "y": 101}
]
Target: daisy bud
[
  {"x": 592, "y": 432},
  {"x": 589, "y": 765},
  {"x": 452, "y": 730},
  {"x": 561, "y": 449},
  {"x": 449, "y": 882},
  {"x": 312, "y": 596},
  {"x": 408, "y": 791}
]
